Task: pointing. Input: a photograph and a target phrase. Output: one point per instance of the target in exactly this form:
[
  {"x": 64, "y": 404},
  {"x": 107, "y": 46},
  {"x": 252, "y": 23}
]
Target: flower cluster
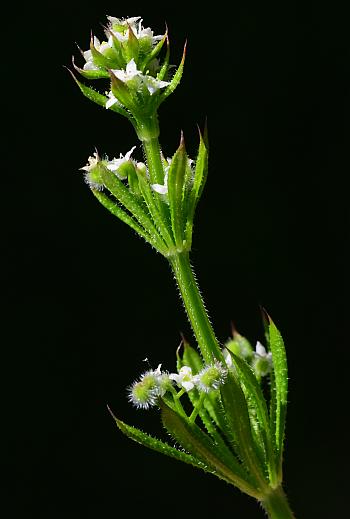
[
  {"x": 153, "y": 384},
  {"x": 260, "y": 360},
  {"x": 123, "y": 168},
  {"x": 139, "y": 81}
]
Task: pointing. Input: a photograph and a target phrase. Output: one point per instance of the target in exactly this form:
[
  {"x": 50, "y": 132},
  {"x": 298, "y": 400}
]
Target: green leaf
[
  {"x": 154, "y": 211},
  {"x": 280, "y": 369},
  {"x": 257, "y": 398},
  {"x": 176, "y": 177},
  {"x": 117, "y": 47},
  {"x": 157, "y": 445},
  {"x": 91, "y": 74},
  {"x": 212, "y": 403},
  {"x": 237, "y": 416},
  {"x": 100, "y": 60},
  {"x": 200, "y": 445},
  {"x": 192, "y": 358},
  {"x": 121, "y": 91},
  {"x": 129, "y": 201},
  {"x": 163, "y": 71},
  {"x": 113, "y": 208},
  {"x": 176, "y": 79},
  {"x": 100, "y": 99},
  {"x": 131, "y": 47},
  {"x": 200, "y": 177},
  {"x": 153, "y": 54}
]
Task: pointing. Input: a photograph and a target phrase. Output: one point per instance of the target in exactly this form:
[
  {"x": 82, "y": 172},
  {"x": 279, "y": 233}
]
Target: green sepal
[
  {"x": 200, "y": 177},
  {"x": 175, "y": 80},
  {"x": 153, "y": 54},
  {"x": 202, "y": 447},
  {"x": 176, "y": 177},
  {"x": 280, "y": 370},
  {"x": 117, "y": 211},
  {"x": 256, "y": 396},
  {"x": 238, "y": 424}
]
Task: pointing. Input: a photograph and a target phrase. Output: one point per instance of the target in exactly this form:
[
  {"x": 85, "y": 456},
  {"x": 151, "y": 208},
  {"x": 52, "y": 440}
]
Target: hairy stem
[
  {"x": 194, "y": 306},
  {"x": 276, "y": 505}
]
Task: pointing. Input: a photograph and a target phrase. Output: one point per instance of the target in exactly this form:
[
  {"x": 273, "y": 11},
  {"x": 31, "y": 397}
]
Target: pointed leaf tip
[{"x": 182, "y": 141}]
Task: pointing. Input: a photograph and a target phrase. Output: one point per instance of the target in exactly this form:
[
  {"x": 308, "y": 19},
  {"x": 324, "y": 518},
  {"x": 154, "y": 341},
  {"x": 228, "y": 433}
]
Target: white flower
[
  {"x": 262, "y": 361},
  {"x": 260, "y": 351},
  {"x": 162, "y": 189},
  {"x": 114, "y": 164},
  {"x": 154, "y": 84},
  {"x": 100, "y": 47},
  {"x": 135, "y": 24},
  {"x": 131, "y": 73},
  {"x": 112, "y": 100},
  {"x": 92, "y": 162},
  {"x": 184, "y": 378},
  {"x": 227, "y": 357}
]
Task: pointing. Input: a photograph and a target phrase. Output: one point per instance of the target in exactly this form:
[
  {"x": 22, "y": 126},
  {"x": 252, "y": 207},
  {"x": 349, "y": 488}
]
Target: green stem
[
  {"x": 194, "y": 305},
  {"x": 148, "y": 133},
  {"x": 276, "y": 505}
]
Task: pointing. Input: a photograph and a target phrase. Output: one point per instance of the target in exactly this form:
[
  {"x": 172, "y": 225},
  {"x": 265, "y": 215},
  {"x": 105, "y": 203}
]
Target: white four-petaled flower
[
  {"x": 184, "y": 378},
  {"x": 115, "y": 164},
  {"x": 132, "y": 74},
  {"x": 135, "y": 24}
]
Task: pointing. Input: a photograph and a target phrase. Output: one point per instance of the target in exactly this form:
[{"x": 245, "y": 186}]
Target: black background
[{"x": 86, "y": 301}]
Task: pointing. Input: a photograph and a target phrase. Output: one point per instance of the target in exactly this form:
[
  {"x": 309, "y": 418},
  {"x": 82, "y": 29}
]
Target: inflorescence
[{"x": 153, "y": 385}]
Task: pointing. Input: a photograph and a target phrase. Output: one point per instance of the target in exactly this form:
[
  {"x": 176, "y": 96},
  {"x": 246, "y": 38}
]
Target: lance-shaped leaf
[
  {"x": 212, "y": 402},
  {"x": 90, "y": 74},
  {"x": 176, "y": 176},
  {"x": 256, "y": 396},
  {"x": 165, "y": 67},
  {"x": 211, "y": 412},
  {"x": 158, "y": 445},
  {"x": 238, "y": 421},
  {"x": 201, "y": 446},
  {"x": 200, "y": 177},
  {"x": 280, "y": 369},
  {"x": 153, "y": 54},
  {"x": 127, "y": 199},
  {"x": 117, "y": 211},
  {"x": 121, "y": 91},
  {"x": 153, "y": 208},
  {"x": 100, "y": 99},
  {"x": 131, "y": 47},
  {"x": 175, "y": 80},
  {"x": 100, "y": 60},
  {"x": 117, "y": 47}
]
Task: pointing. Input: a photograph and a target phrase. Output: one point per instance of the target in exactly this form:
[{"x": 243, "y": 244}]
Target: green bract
[{"x": 233, "y": 424}]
